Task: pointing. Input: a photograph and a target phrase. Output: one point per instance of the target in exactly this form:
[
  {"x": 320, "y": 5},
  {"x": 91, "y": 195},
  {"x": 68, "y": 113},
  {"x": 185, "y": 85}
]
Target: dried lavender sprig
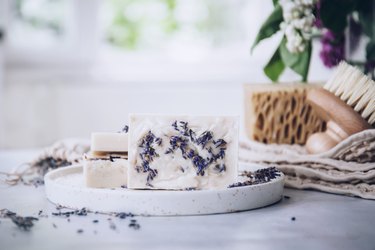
[
  {"x": 79, "y": 212},
  {"x": 185, "y": 141},
  {"x": 134, "y": 224},
  {"x": 188, "y": 136},
  {"x": 259, "y": 176},
  {"x": 85, "y": 211},
  {"x": 148, "y": 154},
  {"x": 125, "y": 129},
  {"x": 60, "y": 154},
  {"x": 24, "y": 223}
]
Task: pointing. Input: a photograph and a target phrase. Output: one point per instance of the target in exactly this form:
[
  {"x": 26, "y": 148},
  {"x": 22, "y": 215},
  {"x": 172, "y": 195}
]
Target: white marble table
[{"x": 322, "y": 221}]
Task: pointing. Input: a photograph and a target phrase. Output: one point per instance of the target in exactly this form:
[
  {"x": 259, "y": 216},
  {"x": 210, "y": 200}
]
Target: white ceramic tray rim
[{"x": 65, "y": 186}]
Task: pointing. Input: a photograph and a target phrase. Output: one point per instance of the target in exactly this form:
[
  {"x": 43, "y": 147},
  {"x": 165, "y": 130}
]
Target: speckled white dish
[{"x": 65, "y": 187}]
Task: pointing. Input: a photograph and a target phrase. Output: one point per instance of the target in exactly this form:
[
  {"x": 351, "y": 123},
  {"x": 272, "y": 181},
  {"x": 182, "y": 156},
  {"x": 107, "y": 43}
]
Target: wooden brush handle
[{"x": 342, "y": 120}]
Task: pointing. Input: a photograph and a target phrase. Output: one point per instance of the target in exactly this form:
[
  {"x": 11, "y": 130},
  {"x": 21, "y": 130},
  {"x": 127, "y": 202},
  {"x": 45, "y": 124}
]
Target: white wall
[
  {"x": 42, "y": 103},
  {"x": 39, "y": 113},
  {"x": 41, "y": 106}
]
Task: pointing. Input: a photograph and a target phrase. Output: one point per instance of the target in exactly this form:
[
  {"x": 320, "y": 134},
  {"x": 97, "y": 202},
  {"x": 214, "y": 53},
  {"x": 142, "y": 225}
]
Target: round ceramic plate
[{"x": 65, "y": 186}]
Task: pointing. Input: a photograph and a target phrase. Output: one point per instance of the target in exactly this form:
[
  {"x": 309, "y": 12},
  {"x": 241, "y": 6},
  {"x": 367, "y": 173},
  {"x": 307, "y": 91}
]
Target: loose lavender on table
[
  {"x": 84, "y": 212},
  {"x": 24, "y": 223},
  {"x": 134, "y": 224}
]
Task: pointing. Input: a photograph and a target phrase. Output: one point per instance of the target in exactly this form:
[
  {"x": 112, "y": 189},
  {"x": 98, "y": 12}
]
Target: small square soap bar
[
  {"x": 106, "y": 165},
  {"x": 105, "y": 172},
  {"x": 182, "y": 152},
  {"x": 109, "y": 142}
]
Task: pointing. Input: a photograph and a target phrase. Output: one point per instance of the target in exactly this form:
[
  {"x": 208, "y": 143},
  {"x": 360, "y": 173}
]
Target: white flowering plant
[
  {"x": 302, "y": 20},
  {"x": 295, "y": 19}
]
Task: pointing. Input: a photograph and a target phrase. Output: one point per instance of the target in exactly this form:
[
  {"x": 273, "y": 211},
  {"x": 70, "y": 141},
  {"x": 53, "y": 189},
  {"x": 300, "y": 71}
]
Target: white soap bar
[
  {"x": 109, "y": 142},
  {"x": 102, "y": 173},
  {"x": 182, "y": 152}
]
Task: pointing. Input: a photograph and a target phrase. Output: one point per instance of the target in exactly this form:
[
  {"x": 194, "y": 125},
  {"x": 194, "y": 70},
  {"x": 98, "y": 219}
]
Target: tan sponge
[{"x": 279, "y": 113}]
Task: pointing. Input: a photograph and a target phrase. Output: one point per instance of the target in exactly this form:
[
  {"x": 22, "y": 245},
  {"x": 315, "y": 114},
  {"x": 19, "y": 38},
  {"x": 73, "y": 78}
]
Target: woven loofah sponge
[{"x": 279, "y": 113}]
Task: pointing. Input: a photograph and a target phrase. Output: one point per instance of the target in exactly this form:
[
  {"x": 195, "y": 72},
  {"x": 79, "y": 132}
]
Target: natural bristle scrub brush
[{"x": 346, "y": 103}]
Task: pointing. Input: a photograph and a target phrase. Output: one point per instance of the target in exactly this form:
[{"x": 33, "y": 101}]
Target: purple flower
[
  {"x": 369, "y": 67},
  {"x": 333, "y": 49},
  {"x": 318, "y": 21}
]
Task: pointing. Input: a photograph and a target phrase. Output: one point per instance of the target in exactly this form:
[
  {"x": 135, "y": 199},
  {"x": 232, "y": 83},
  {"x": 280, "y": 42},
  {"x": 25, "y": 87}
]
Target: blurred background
[{"x": 68, "y": 68}]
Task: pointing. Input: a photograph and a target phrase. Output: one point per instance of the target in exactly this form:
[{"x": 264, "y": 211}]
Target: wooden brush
[{"x": 346, "y": 103}]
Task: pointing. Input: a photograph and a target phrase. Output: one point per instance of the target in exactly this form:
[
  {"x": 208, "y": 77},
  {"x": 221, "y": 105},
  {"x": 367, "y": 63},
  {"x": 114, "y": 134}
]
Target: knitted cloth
[{"x": 348, "y": 168}]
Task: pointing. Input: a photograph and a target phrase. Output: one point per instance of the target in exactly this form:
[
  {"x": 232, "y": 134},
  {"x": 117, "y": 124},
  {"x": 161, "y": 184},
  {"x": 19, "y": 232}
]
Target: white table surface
[{"x": 323, "y": 221}]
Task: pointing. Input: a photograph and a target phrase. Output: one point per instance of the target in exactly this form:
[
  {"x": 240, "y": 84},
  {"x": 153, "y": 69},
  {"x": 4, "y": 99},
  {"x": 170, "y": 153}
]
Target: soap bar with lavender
[{"x": 182, "y": 152}]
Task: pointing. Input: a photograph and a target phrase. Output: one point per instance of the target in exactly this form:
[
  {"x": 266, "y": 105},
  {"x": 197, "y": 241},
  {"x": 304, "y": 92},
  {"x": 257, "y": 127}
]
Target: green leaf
[
  {"x": 370, "y": 51},
  {"x": 303, "y": 65},
  {"x": 298, "y": 62},
  {"x": 334, "y": 13},
  {"x": 274, "y": 67},
  {"x": 288, "y": 57},
  {"x": 270, "y": 26},
  {"x": 275, "y": 2}
]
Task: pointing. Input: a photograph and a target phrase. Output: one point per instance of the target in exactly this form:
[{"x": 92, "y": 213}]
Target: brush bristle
[{"x": 354, "y": 88}]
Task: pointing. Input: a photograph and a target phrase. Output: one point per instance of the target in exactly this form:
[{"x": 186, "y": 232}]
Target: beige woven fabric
[{"x": 348, "y": 168}]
